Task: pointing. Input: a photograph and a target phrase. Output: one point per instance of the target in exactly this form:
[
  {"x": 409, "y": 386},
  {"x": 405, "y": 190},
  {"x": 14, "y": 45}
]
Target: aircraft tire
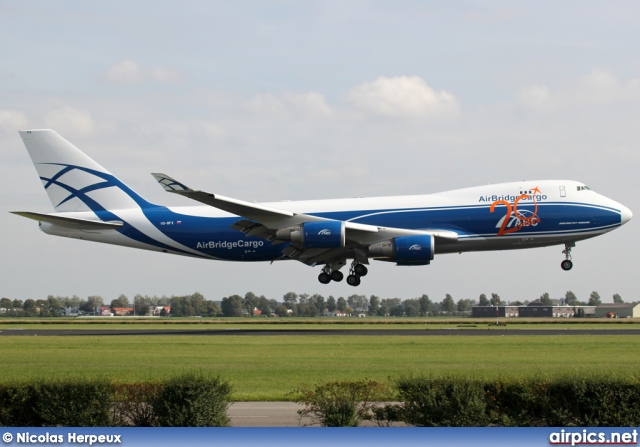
[
  {"x": 353, "y": 280},
  {"x": 324, "y": 278},
  {"x": 337, "y": 275},
  {"x": 360, "y": 270},
  {"x": 566, "y": 265}
]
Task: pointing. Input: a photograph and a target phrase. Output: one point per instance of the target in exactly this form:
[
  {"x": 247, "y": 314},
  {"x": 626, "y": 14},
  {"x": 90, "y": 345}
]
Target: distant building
[
  {"x": 123, "y": 311},
  {"x": 620, "y": 310},
  {"x": 336, "y": 313},
  {"x": 571, "y": 311},
  {"x": 493, "y": 311},
  {"x": 70, "y": 311},
  {"x": 156, "y": 311},
  {"x": 532, "y": 310},
  {"x": 535, "y": 309}
]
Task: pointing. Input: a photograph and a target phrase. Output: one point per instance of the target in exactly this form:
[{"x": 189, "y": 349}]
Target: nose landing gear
[{"x": 567, "y": 264}]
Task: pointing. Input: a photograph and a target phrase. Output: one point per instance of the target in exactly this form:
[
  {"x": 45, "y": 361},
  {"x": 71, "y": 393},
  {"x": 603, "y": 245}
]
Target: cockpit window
[{"x": 584, "y": 188}]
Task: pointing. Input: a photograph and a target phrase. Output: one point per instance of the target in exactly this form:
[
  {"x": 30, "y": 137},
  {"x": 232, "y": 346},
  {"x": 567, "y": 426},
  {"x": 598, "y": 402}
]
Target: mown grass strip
[
  {"x": 268, "y": 368},
  {"x": 314, "y": 321},
  {"x": 129, "y": 323}
]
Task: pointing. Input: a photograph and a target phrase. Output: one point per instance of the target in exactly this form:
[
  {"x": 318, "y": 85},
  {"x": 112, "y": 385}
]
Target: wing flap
[
  {"x": 369, "y": 234},
  {"x": 254, "y": 229}
]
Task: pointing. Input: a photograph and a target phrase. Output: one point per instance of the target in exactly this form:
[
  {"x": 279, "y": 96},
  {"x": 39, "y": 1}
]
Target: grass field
[
  {"x": 313, "y": 323},
  {"x": 270, "y": 367}
]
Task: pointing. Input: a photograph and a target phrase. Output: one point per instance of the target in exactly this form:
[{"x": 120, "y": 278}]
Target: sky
[{"x": 288, "y": 100}]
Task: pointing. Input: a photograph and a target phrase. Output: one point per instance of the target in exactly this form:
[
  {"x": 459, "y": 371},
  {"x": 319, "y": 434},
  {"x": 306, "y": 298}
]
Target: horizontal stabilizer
[{"x": 70, "y": 222}]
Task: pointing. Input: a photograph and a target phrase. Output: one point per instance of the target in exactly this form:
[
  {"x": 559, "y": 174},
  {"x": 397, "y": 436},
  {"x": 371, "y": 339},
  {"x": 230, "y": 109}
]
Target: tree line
[
  {"x": 569, "y": 299},
  {"x": 291, "y": 305}
]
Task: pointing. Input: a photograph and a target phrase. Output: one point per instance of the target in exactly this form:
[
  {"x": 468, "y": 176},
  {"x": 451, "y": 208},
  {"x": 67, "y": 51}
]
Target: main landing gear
[
  {"x": 355, "y": 272},
  {"x": 327, "y": 277},
  {"x": 332, "y": 273},
  {"x": 567, "y": 264}
]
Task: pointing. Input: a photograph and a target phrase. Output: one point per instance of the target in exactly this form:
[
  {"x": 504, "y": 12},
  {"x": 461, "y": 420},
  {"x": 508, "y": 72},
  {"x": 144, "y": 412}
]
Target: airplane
[{"x": 92, "y": 204}]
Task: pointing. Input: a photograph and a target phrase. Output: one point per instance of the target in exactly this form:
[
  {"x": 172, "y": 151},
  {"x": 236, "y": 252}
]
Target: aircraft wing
[
  {"x": 233, "y": 206},
  {"x": 264, "y": 222},
  {"x": 70, "y": 222},
  {"x": 272, "y": 218}
]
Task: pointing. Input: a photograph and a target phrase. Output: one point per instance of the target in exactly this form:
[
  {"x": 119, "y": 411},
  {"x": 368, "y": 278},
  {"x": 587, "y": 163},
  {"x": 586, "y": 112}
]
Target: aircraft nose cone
[{"x": 625, "y": 214}]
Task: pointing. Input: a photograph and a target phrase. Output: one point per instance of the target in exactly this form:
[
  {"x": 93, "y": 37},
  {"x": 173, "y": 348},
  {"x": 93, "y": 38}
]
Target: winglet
[{"x": 170, "y": 184}]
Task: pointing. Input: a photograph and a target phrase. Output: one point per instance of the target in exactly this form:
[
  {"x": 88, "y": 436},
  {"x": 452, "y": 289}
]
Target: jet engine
[
  {"x": 321, "y": 234},
  {"x": 405, "y": 250}
]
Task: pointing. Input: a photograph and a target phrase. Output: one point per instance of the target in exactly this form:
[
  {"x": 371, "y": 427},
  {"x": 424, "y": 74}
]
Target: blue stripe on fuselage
[
  {"x": 213, "y": 237},
  {"x": 478, "y": 220}
]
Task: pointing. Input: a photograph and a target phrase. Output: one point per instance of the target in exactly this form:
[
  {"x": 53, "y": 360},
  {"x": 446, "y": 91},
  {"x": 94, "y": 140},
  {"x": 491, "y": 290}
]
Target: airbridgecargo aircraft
[{"x": 92, "y": 204}]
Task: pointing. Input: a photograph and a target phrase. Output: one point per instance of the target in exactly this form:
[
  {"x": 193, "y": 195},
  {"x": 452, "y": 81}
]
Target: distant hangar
[
  {"x": 620, "y": 310},
  {"x": 536, "y": 309}
]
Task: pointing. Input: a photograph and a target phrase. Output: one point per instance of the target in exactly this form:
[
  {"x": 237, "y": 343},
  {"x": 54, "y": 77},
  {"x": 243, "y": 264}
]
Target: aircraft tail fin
[{"x": 72, "y": 179}]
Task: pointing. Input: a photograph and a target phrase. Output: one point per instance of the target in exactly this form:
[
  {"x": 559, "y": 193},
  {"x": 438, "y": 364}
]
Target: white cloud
[
  {"x": 267, "y": 104},
  {"x": 403, "y": 96},
  {"x": 125, "y": 72},
  {"x": 597, "y": 88},
  {"x": 602, "y": 86},
  {"x": 310, "y": 103},
  {"x": 131, "y": 72},
  {"x": 535, "y": 97},
  {"x": 68, "y": 119},
  {"x": 12, "y": 120}
]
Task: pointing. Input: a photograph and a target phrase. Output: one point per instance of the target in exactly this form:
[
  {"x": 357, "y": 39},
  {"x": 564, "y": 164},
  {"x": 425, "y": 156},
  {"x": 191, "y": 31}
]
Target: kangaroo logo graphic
[{"x": 514, "y": 220}]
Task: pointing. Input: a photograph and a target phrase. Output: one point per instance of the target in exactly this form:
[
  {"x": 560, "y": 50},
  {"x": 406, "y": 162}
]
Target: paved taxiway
[
  {"x": 320, "y": 332},
  {"x": 275, "y": 414},
  {"x": 265, "y": 414}
]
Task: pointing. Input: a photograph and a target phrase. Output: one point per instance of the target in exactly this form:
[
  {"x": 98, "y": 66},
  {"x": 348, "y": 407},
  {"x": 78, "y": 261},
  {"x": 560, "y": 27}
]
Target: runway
[{"x": 493, "y": 332}]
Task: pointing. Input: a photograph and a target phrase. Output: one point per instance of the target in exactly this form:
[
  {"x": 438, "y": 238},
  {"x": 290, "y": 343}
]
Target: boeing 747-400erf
[{"x": 92, "y": 204}]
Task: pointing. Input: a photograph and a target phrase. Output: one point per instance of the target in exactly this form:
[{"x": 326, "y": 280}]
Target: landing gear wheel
[
  {"x": 353, "y": 280},
  {"x": 566, "y": 265},
  {"x": 337, "y": 275},
  {"x": 360, "y": 270},
  {"x": 324, "y": 278}
]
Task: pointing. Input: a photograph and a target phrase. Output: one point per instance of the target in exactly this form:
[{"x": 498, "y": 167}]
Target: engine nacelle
[
  {"x": 321, "y": 234},
  {"x": 406, "y": 250}
]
